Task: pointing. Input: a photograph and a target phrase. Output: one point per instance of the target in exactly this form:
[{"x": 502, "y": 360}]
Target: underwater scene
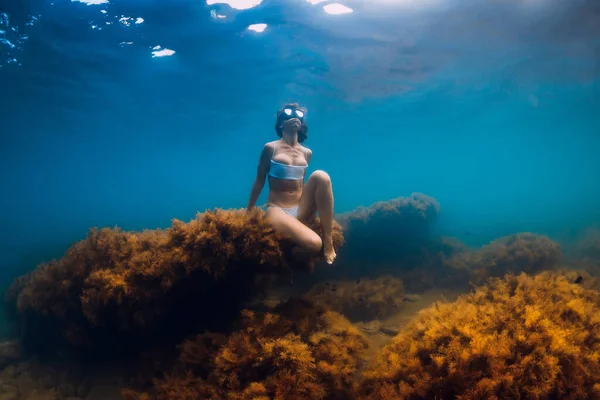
[{"x": 299, "y": 199}]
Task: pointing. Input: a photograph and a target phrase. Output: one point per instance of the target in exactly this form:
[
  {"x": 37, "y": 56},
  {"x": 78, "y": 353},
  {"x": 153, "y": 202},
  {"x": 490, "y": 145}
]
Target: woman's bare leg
[
  {"x": 317, "y": 197},
  {"x": 308, "y": 243},
  {"x": 290, "y": 227}
]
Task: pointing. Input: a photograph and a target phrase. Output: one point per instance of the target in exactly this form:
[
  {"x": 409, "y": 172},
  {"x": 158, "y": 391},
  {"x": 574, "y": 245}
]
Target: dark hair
[{"x": 302, "y": 132}]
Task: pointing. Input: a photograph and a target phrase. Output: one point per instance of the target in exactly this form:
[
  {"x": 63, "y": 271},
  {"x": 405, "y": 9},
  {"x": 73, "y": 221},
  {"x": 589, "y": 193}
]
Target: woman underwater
[{"x": 291, "y": 203}]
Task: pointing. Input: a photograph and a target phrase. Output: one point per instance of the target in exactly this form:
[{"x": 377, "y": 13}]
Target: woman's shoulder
[
  {"x": 270, "y": 146},
  {"x": 306, "y": 149},
  {"x": 307, "y": 153}
]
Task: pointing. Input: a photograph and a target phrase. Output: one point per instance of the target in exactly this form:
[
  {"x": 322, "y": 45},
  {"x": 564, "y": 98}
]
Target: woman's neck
[{"x": 291, "y": 138}]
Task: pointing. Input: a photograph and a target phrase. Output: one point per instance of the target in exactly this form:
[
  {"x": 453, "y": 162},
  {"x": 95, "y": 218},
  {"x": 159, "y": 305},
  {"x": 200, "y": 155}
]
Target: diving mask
[{"x": 289, "y": 113}]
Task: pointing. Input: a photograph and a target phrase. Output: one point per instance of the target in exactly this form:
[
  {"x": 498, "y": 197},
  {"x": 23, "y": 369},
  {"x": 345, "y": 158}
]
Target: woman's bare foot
[{"x": 329, "y": 251}]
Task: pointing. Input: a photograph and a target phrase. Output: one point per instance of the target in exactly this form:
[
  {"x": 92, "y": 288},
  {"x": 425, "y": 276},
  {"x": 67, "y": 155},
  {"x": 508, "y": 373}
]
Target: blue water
[{"x": 492, "y": 107}]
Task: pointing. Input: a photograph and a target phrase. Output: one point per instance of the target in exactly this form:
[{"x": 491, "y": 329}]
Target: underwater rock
[
  {"x": 390, "y": 330},
  {"x": 371, "y": 327},
  {"x": 362, "y": 299},
  {"x": 67, "y": 389},
  {"x": 416, "y": 205},
  {"x": 522, "y": 252},
  {"x": 32, "y": 379},
  {"x": 22, "y": 367},
  {"x": 583, "y": 253},
  {"x": 397, "y": 230},
  {"x": 83, "y": 389},
  {"x": 48, "y": 378},
  {"x": 26, "y": 384},
  {"x": 376, "y": 327},
  {"x": 297, "y": 351},
  {"x": 10, "y": 352},
  {"x": 9, "y": 396},
  {"x": 579, "y": 277},
  {"x": 69, "y": 383},
  {"x": 9, "y": 372},
  {"x": 42, "y": 394},
  {"x": 397, "y": 237},
  {"x": 515, "y": 337},
  {"x": 9, "y": 387},
  {"x": 115, "y": 288},
  {"x": 104, "y": 392}
]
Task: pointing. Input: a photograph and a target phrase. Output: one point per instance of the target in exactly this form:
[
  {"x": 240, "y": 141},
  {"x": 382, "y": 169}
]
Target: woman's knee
[
  {"x": 314, "y": 243},
  {"x": 321, "y": 177}
]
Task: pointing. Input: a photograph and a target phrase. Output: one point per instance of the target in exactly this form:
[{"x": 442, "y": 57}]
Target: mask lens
[
  {"x": 300, "y": 114},
  {"x": 287, "y": 112}
]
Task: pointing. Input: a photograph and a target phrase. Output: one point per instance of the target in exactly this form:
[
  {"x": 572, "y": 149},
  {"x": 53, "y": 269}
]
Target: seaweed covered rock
[
  {"x": 580, "y": 277},
  {"x": 584, "y": 251},
  {"x": 297, "y": 351},
  {"x": 360, "y": 299},
  {"x": 398, "y": 237},
  {"x": 114, "y": 287},
  {"x": 522, "y": 252},
  {"x": 441, "y": 267},
  {"x": 32, "y": 379},
  {"x": 516, "y": 337},
  {"x": 397, "y": 230}
]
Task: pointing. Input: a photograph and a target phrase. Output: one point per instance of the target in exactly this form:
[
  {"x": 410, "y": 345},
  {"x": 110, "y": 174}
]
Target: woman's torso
[{"x": 286, "y": 192}]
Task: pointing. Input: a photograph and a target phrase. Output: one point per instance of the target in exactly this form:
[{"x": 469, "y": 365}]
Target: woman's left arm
[{"x": 308, "y": 157}]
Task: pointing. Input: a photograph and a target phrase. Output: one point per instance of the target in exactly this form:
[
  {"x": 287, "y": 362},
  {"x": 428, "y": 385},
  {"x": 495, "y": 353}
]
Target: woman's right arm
[{"x": 261, "y": 175}]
